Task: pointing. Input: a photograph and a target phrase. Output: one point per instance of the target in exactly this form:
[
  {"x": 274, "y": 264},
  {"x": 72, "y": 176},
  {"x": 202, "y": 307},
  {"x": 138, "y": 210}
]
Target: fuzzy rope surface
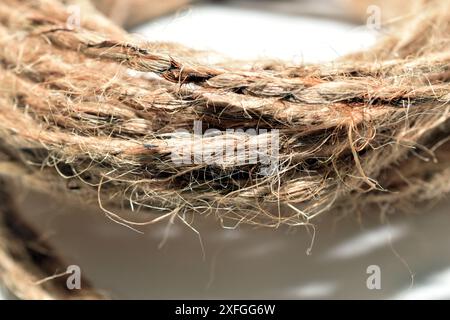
[{"x": 350, "y": 131}]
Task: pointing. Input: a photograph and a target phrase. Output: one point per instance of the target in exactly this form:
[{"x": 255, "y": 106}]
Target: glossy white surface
[
  {"x": 251, "y": 34},
  {"x": 410, "y": 249}
]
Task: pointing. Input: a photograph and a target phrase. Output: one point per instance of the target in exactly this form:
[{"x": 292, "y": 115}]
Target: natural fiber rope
[
  {"x": 341, "y": 124},
  {"x": 369, "y": 128}
]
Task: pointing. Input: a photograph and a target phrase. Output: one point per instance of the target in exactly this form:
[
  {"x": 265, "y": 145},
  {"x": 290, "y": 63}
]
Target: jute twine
[{"x": 93, "y": 112}]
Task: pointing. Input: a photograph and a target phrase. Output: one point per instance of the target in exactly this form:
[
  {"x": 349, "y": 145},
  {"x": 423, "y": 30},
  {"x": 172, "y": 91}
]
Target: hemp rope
[{"x": 371, "y": 128}]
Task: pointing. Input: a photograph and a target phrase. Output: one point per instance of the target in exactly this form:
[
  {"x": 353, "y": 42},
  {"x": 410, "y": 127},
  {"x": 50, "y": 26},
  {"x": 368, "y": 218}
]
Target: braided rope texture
[{"x": 104, "y": 110}]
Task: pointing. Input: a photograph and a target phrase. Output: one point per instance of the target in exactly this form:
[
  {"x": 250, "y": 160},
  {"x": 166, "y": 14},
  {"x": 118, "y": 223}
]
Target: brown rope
[{"x": 370, "y": 128}]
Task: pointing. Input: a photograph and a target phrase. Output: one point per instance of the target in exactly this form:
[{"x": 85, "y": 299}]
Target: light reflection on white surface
[
  {"x": 229, "y": 235},
  {"x": 166, "y": 231},
  {"x": 262, "y": 249},
  {"x": 313, "y": 290},
  {"x": 437, "y": 286},
  {"x": 251, "y": 34},
  {"x": 366, "y": 242}
]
